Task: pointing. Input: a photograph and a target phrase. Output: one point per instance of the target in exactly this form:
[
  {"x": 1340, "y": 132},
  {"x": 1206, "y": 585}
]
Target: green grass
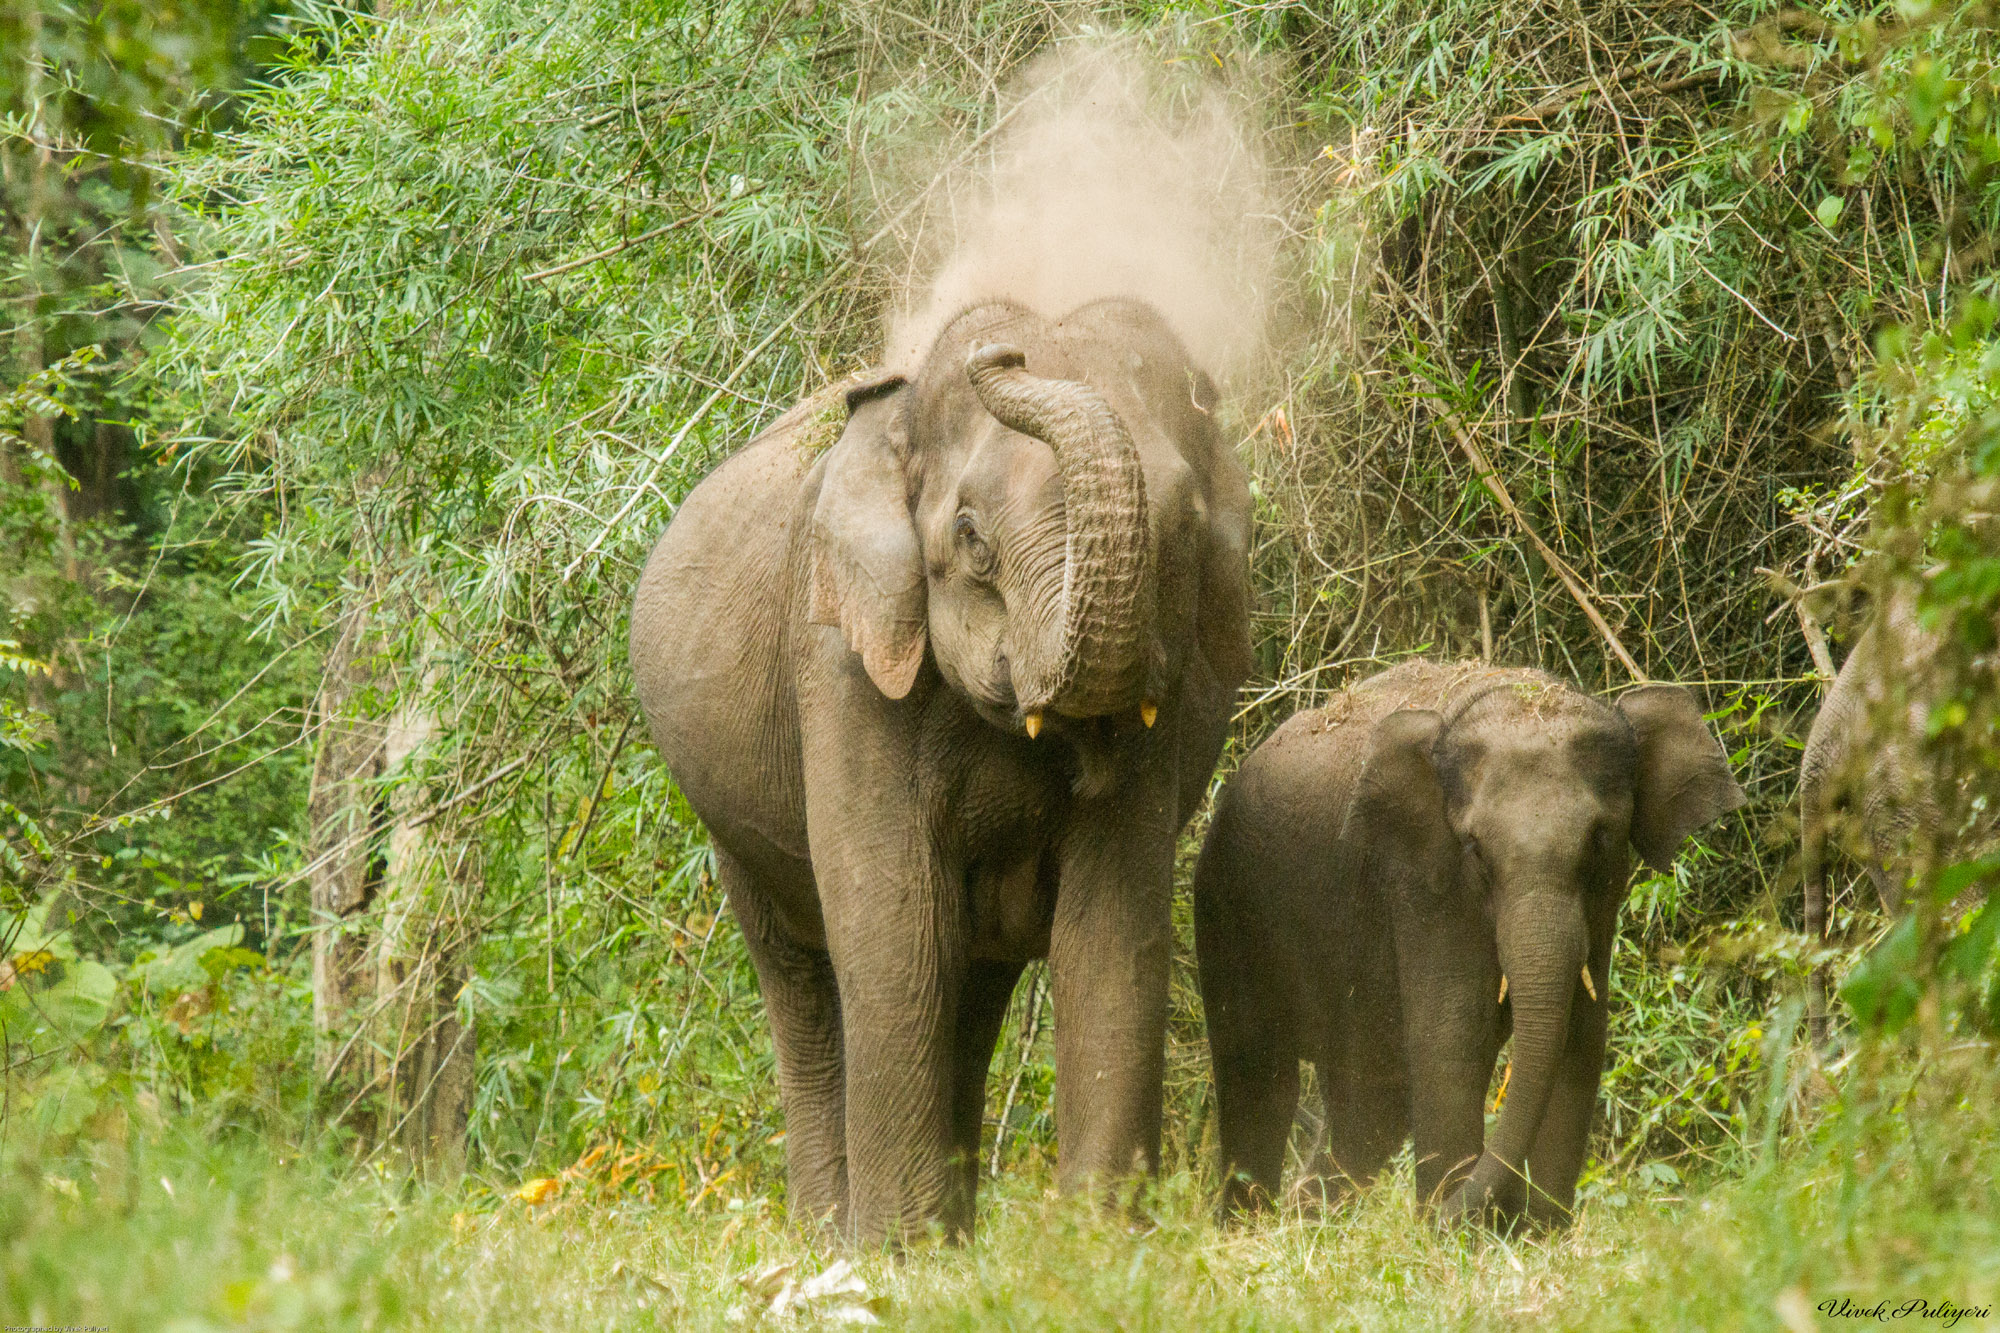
[{"x": 1896, "y": 1199}]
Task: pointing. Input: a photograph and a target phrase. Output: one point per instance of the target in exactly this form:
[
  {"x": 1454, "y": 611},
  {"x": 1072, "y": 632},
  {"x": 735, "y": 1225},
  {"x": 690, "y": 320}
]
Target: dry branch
[
  {"x": 1498, "y": 490},
  {"x": 1571, "y": 94}
]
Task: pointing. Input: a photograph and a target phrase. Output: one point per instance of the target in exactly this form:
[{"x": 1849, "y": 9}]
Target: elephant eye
[{"x": 977, "y": 552}]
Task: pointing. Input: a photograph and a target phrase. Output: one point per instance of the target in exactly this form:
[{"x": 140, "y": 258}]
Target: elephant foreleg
[
  {"x": 1812, "y": 856},
  {"x": 1449, "y": 994},
  {"x": 898, "y": 1009},
  {"x": 1447, "y": 1119},
  {"x": 1250, "y": 1028},
  {"x": 1109, "y": 951},
  {"x": 803, "y": 1006},
  {"x": 895, "y": 929},
  {"x": 982, "y": 1008}
]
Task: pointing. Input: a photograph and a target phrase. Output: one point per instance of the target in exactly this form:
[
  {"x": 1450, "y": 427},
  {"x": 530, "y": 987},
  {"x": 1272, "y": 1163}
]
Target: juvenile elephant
[
  {"x": 944, "y": 693},
  {"x": 1396, "y": 881}
]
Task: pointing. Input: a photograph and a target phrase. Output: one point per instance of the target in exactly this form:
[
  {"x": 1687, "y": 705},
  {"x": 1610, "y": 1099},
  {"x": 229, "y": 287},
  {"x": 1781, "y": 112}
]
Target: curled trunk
[{"x": 1081, "y": 649}]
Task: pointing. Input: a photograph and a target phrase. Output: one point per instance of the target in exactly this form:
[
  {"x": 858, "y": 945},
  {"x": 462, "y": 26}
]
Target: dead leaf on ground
[{"x": 838, "y": 1296}]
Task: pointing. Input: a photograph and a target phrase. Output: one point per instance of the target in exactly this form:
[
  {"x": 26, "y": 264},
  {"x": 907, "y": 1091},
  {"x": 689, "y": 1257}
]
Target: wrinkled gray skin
[
  {"x": 1374, "y": 869},
  {"x": 839, "y": 656},
  {"x": 1862, "y": 774}
]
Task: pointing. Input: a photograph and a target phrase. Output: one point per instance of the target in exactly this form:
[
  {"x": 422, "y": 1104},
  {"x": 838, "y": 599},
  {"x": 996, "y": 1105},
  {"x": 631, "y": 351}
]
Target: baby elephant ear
[
  {"x": 867, "y": 570},
  {"x": 1395, "y": 824},
  {"x": 1683, "y": 779}
]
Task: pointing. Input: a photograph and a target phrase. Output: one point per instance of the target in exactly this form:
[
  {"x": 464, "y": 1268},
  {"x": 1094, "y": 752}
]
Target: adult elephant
[
  {"x": 1866, "y": 783},
  {"x": 1396, "y": 882},
  {"x": 1862, "y": 760},
  {"x": 944, "y": 694}
]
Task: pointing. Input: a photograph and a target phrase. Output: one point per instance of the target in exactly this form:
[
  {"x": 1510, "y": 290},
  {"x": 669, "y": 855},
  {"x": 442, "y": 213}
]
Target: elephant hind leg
[
  {"x": 1367, "y": 1119},
  {"x": 802, "y": 1003},
  {"x": 982, "y": 1008},
  {"x": 1256, "y": 1097},
  {"x": 1364, "y": 1076}
]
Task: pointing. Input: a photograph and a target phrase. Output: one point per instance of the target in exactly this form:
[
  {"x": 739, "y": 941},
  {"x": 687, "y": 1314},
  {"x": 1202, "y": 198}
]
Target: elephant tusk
[
  {"x": 1149, "y": 712},
  {"x": 1503, "y": 989},
  {"x": 1589, "y": 987},
  {"x": 1033, "y": 722}
]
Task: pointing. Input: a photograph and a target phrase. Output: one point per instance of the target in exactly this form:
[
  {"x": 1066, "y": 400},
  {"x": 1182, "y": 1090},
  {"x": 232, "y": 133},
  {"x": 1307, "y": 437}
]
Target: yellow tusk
[
  {"x": 1149, "y": 712},
  {"x": 1503, "y": 989},
  {"x": 1589, "y": 987},
  {"x": 1034, "y": 724}
]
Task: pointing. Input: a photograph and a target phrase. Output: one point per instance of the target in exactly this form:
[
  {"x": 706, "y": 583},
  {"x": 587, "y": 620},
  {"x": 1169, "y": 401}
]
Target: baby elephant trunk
[{"x": 1543, "y": 950}]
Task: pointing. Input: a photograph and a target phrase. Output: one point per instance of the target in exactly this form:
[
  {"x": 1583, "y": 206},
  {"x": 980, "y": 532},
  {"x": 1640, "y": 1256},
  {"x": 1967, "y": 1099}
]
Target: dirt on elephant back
[
  {"x": 817, "y": 422},
  {"x": 817, "y": 434},
  {"x": 1443, "y": 685}
]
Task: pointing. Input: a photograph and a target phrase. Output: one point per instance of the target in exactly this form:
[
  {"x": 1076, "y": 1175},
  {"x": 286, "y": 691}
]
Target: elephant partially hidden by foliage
[
  {"x": 1862, "y": 770},
  {"x": 1396, "y": 881},
  {"x": 1866, "y": 783},
  {"x": 944, "y": 694}
]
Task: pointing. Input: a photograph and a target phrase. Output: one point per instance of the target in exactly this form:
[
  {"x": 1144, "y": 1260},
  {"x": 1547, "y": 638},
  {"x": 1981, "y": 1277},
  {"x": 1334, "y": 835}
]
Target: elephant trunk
[
  {"x": 1082, "y": 645},
  {"x": 1543, "y": 950},
  {"x": 1825, "y": 767},
  {"x": 1812, "y": 854}
]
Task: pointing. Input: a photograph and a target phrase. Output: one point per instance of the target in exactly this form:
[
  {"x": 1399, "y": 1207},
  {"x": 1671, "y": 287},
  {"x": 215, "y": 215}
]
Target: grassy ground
[{"x": 1897, "y": 1200}]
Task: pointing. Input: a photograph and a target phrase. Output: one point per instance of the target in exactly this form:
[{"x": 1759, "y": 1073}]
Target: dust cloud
[{"x": 1111, "y": 170}]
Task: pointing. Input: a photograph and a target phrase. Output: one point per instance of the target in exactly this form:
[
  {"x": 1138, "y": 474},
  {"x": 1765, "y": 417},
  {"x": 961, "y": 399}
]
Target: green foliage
[
  {"x": 129, "y": 694},
  {"x": 87, "y": 96},
  {"x": 190, "y": 1026},
  {"x": 476, "y": 316},
  {"x": 1874, "y": 1206},
  {"x": 472, "y": 295},
  {"x": 1924, "y": 103},
  {"x": 469, "y": 316}
]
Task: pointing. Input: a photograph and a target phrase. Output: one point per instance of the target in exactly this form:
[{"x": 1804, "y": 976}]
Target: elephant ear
[
  {"x": 1683, "y": 778},
  {"x": 1395, "y": 827},
  {"x": 867, "y": 568}
]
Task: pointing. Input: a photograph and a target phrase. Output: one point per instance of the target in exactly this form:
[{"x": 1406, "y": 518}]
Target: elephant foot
[
  {"x": 1243, "y": 1201},
  {"x": 1319, "y": 1195},
  {"x": 1476, "y": 1203},
  {"x": 1463, "y": 1206}
]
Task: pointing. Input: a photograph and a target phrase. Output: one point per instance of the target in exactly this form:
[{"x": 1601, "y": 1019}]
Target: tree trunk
[
  {"x": 391, "y": 908},
  {"x": 425, "y": 1068}
]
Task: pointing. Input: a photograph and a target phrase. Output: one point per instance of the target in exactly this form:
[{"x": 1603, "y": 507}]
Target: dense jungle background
[{"x": 359, "y": 964}]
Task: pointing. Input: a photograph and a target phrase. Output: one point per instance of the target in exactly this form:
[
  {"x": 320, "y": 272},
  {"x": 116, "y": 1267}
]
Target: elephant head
[
  {"x": 1044, "y": 509},
  {"x": 1501, "y": 830}
]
